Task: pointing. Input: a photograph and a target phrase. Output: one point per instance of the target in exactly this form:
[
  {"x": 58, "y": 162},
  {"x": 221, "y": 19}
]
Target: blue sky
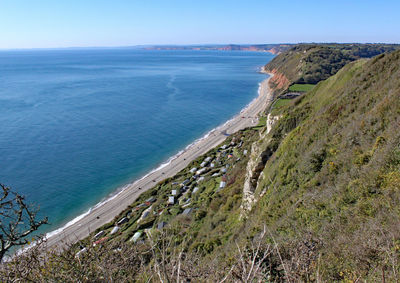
[{"x": 69, "y": 23}]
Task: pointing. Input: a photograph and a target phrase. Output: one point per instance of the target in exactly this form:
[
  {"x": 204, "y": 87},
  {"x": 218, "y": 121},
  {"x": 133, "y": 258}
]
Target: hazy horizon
[{"x": 186, "y": 45}]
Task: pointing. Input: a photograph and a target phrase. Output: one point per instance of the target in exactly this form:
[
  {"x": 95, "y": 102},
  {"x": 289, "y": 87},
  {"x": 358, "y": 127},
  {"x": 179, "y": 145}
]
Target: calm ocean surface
[{"x": 77, "y": 124}]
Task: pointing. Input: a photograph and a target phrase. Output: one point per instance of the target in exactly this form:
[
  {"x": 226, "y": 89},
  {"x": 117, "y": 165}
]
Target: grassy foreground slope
[
  {"x": 325, "y": 204},
  {"x": 332, "y": 187}
]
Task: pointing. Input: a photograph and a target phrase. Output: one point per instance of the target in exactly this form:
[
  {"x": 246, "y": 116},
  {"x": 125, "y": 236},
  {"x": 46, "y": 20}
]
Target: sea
[{"x": 76, "y": 125}]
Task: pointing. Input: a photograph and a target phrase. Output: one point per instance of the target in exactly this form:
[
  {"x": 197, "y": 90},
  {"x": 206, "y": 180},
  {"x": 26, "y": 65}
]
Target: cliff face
[
  {"x": 279, "y": 82},
  {"x": 274, "y": 51},
  {"x": 260, "y": 153}
]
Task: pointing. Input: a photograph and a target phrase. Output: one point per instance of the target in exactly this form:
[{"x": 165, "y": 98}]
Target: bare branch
[{"x": 17, "y": 220}]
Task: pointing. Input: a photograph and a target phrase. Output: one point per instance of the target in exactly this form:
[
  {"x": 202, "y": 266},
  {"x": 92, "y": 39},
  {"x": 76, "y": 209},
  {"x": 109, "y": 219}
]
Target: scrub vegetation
[{"x": 312, "y": 63}]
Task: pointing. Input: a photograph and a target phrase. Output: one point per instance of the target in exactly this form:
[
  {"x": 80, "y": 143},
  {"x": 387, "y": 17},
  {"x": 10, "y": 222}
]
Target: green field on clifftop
[{"x": 301, "y": 87}]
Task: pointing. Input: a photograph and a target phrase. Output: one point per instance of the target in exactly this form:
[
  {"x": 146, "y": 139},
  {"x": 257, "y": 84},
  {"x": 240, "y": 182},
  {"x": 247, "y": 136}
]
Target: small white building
[
  {"x": 245, "y": 152},
  {"x": 195, "y": 190},
  {"x": 135, "y": 237},
  {"x": 100, "y": 234},
  {"x": 150, "y": 200},
  {"x": 200, "y": 179},
  {"x": 145, "y": 214},
  {"x": 174, "y": 192},
  {"x": 171, "y": 200},
  {"x": 222, "y": 184},
  {"x": 194, "y": 169},
  {"x": 123, "y": 221},
  {"x": 184, "y": 183},
  {"x": 114, "y": 230},
  {"x": 201, "y": 171},
  {"x": 82, "y": 251}
]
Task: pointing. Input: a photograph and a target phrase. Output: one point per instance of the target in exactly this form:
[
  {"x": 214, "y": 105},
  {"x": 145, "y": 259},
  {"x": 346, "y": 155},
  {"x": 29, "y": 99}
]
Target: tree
[{"x": 17, "y": 220}]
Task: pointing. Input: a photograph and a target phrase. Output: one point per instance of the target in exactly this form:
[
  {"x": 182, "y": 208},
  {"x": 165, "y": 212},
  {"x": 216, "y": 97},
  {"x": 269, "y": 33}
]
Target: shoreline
[{"x": 105, "y": 211}]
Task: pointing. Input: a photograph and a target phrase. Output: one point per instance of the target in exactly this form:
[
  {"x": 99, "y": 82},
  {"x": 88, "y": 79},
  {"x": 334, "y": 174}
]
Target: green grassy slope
[
  {"x": 301, "y": 87},
  {"x": 333, "y": 183}
]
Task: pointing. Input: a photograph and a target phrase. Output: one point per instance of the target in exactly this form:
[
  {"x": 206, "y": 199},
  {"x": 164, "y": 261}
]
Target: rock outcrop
[
  {"x": 279, "y": 81},
  {"x": 260, "y": 153}
]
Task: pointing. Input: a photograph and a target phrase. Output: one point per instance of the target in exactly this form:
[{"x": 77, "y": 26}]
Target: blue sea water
[{"x": 77, "y": 124}]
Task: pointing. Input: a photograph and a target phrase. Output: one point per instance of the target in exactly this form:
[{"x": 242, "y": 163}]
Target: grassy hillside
[
  {"x": 332, "y": 185},
  {"x": 310, "y": 64},
  {"x": 301, "y": 87},
  {"x": 326, "y": 201}
]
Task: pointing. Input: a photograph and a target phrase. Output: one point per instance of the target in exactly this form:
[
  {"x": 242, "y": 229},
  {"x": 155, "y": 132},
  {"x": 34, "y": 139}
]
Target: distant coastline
[{"x": 271, "y": 48}]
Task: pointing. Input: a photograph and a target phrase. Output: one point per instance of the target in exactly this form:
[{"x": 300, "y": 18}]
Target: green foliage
[
  {"x": 301, "y": 87},
  {"x": 317, "y": 159},
  {"x": 279, "y": 105},
  {"x": 335, "y": 173},
  {"x": 311, "y": 63},
  {"x": 323, "y": 63},
  {"x": 261, "y": 122}
]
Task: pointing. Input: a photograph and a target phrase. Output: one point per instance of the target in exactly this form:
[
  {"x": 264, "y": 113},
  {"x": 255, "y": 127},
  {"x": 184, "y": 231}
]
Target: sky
[{"x": 90, "y": 23}]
